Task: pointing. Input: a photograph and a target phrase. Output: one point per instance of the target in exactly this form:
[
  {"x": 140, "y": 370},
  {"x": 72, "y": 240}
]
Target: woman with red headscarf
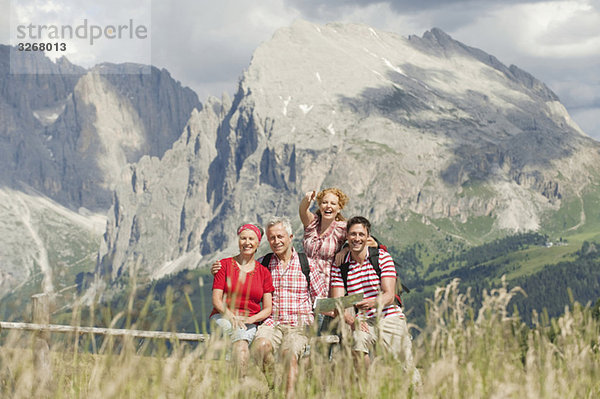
[{"x": 239, "y": 288}]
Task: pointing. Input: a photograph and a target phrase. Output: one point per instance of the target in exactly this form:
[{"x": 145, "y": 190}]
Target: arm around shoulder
[{"x": 215, "y": 267}]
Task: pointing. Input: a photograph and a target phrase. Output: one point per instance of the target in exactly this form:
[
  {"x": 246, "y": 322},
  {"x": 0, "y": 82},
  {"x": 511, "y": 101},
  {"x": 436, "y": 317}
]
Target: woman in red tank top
[{"x": 239, "y": 288}]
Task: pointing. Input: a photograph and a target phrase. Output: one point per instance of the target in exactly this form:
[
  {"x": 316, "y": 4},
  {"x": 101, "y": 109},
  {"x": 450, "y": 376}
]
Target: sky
[{"x": 207, "y": 45}]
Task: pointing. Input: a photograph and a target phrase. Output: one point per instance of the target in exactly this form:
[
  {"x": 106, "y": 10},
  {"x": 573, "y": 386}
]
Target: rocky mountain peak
[
  {"x": 66, "y": 133},
  {"x": 424, "y": 128},
  {"x": 69, "y": 131}
]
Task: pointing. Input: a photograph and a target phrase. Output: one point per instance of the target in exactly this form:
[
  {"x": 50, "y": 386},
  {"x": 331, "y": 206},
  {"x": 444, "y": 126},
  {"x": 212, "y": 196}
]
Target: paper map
[{"x": 329, "y": 304}]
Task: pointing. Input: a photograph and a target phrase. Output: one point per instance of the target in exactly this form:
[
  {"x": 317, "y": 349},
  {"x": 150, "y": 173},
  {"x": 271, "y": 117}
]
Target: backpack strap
[
  {"x": 344, "y": 268},
  {"x": 305, "y": 266},
  {"x": 266, "y": 260},
  {"x": 373, "y": 257}
]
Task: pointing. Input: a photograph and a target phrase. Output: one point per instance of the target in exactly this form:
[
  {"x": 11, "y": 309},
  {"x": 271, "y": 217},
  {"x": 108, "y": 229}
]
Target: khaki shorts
[
  {"x": 288, "y": 338},
  {"x": 392, "y": 333}
]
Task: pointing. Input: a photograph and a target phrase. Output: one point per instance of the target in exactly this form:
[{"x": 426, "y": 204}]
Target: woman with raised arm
[
  {"x": 324, "y": 230},
  {"x": 239, "y": 288}
]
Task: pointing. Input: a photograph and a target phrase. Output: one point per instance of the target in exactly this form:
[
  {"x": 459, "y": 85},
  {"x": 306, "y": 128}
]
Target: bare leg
[
  {"x": 362, "y": 361},
  {"x": 292, "y": 373},
  {"x": 240, "y": 356},
  {"x": 263, "y": 353}
]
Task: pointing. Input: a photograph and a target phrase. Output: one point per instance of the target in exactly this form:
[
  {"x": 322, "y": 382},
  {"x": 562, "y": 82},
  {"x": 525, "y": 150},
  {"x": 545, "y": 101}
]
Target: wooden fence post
[{"x": 41, "y": 347}]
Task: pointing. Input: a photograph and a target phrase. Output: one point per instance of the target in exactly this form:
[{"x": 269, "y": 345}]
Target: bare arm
[
  {"x": 217, "y": 300},
  {"x": 267, "y": 308},
  {"x": 340, "y": 256},
  {"x": 385, "y": 297},
  {"x": 337, "y": 292},
  {"x": 306, "y": 216},
  {"x": 388, "y": 288}
]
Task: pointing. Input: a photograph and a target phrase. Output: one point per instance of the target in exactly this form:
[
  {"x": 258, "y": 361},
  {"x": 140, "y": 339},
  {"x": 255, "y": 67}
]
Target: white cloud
[
  {"x": 209, "y": 44},
  {"x": 86, "y": 18},
  {"x": 550, "y": 30},
  {"x": 559, "y": 30}
]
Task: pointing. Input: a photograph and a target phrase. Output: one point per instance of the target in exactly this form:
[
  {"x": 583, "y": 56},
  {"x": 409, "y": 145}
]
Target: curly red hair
[{"x": 342, "y": 200}]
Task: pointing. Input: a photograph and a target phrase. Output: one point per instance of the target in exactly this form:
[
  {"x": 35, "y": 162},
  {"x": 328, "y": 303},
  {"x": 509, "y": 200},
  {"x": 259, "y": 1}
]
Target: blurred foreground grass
[{"x": 460, "y": 354}]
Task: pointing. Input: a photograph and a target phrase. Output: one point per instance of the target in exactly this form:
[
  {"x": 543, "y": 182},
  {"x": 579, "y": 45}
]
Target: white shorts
[{"x": 236, "y": 334}]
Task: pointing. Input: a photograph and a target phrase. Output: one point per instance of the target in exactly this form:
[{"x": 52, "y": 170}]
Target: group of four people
[{"x": 271, "y": 301}]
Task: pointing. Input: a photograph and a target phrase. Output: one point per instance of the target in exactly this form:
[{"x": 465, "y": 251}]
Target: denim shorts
[{"x": 237, "y": 334}]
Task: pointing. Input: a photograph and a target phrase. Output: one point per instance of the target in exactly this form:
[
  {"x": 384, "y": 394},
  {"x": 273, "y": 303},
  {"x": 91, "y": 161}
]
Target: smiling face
[
  {"x": 329, "y": 206},
  {"x": 279, "y": 240},
  {"x": 248, "y": 242},
  {"x": 357, "y": 237}
]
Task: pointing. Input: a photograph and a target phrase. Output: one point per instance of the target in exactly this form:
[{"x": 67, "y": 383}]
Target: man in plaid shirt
[{"x": 293, "y": 300}]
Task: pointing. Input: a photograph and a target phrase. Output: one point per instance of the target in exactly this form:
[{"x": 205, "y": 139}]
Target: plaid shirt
[
  {"x": 363, "y": 279},
  {"x": 292, "y": 304},
  {"x": 322, "y": 248}
]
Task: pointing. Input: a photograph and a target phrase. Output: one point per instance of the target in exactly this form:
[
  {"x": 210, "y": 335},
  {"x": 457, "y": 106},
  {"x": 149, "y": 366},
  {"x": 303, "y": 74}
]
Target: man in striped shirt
[{"x": 377, "y": 317}]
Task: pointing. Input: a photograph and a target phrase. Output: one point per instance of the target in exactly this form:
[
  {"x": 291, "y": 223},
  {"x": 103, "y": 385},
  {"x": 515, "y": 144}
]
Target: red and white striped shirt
[
  {"x": 292, "y": 304},
  {"x": 363, "y": 279}
]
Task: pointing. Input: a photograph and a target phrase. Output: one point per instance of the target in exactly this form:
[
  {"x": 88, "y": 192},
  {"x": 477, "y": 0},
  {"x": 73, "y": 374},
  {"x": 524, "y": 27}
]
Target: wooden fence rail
[
  {"x": 103, "y": 331},
  {"x": 330, "y": 339},
  {"x": 42, "y": 328}
]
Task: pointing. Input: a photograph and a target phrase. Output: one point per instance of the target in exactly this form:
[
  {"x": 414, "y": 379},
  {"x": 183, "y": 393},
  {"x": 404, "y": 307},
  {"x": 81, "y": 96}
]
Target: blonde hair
[{"x": 342, "y": 200}]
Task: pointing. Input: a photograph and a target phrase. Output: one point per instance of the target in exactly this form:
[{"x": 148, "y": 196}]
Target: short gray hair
[{"x": 280, "y": 219}]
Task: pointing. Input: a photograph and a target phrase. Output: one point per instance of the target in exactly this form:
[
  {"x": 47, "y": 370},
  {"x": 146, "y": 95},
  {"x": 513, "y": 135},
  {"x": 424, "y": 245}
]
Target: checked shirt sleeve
[{"x": 318, "y": 288}]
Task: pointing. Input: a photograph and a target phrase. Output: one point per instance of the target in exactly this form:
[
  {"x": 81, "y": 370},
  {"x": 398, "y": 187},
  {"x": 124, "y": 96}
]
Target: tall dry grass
[
  {"x": 491, "y": 354},
  {"x": 461, "y": 353}
]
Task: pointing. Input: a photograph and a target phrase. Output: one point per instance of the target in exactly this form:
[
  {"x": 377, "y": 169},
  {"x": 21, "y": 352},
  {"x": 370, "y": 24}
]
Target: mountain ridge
[
  {"x": 65, "y": 134},
  {"x": 459, "y": 134},
  {"x": 53, "y": 138}
]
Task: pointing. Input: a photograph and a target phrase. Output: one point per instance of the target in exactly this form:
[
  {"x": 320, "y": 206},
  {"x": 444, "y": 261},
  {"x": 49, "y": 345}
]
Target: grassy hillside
[{"x": 462, "y": 352}]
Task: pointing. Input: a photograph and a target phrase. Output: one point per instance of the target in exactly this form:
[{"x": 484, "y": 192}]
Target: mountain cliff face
[
  {"x": 163, "y": 203},
  {"x": 67, "y": 131},
  {"x": 65, "y": 135},
  {"x": 423, "y": 127},
  {"x": 113, "y": 119}
]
